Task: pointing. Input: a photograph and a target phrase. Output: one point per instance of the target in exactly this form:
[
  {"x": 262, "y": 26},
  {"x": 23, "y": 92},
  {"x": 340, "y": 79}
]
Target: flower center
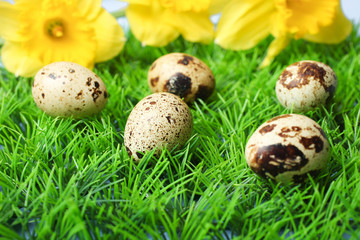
[{"x": 55, "y": 29}]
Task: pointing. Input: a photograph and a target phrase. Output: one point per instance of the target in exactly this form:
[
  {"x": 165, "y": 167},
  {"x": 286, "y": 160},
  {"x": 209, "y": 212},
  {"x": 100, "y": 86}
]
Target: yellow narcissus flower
[
  {"x": 158, "y": 22},
  {"x": 244, "y": 23},
  {"x": 39, "y": 32}
]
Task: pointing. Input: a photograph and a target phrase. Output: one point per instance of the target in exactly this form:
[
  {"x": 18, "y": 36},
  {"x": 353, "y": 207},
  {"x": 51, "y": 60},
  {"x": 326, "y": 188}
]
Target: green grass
[{"x": 69, "y": 179}]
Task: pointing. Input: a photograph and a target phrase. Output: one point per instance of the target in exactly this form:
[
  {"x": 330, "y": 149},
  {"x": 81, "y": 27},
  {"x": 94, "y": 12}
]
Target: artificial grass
[{"x": 73, "y": 179}]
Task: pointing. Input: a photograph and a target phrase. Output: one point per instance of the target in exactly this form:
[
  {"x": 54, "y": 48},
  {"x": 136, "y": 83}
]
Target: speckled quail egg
[
  {"x": 305, "y": 85},
  {"x": 181, "y": 74},
  {"x": 64, "y": 89},
  {"x": 287, "y": 147},
  {"x": 160, "y": 120}
]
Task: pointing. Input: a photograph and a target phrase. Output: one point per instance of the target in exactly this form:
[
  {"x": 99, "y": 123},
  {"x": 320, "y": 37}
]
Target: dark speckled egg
[
  {"x": 287, "y": 147},
  {"x": 66, "y": 89},
  {"x": 160, "y": 120},
  {"x": 183, "y": 75},
  {"x": 305, "y": 85}
]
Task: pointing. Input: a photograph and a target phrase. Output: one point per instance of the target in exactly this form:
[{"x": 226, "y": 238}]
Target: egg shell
[
  {"x": 64, "y": 89},
  {"x": 181, "y": 74},
  {"x": 287, "y": 147},
  {"x": 160, "y": 120},
  {"x": 305, "y": 85}
]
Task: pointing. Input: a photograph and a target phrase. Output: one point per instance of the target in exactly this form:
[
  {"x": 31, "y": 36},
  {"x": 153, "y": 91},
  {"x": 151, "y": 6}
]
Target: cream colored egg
[
  {"x": 305, "y": 85},
  {"x": 181, "y": 74},
  {"x": 160, "y": 120},
  {"x": 287, "y": 147},
  {"x": 66, "y": 89}
]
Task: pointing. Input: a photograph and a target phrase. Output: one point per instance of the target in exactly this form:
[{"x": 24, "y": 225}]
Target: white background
[{"x": 351, "y": 9}]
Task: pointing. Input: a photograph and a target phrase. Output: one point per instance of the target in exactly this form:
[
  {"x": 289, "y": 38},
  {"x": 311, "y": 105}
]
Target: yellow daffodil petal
[
  {"x": 276, "y": 46},
  {"x": 89, "y": 8},
  {"x": 278, "y": 19},
  {"x": 65, "y": 39},
  {"x": 216, "y": 6},
  {"x": 308, "y": 16},
  {"x": 334, "y": 33},
  {"x": 162, "y": 21},
  {"x": 244, "y": 23},
  {"x": 109, "y": 37},
  {"x": 186, "y": 5},
  {"x": 9, "y": 23},
  {"x": 79, "y": 31},
  {"x": 150, "y": 26},
  {"x": 140, "y": 2},
  {"x": 193, "y": 27},
  {"x": 17, "y": 61}
]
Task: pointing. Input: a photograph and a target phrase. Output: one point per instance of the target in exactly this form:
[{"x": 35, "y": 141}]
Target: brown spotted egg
[
  {"x": 305, "y": 85},
  {"x": 181, "y": 74},
  {"x": 64, "y": 89},
  {"x": 287, "y": 147},
  {"x": 160, "y": 120}
]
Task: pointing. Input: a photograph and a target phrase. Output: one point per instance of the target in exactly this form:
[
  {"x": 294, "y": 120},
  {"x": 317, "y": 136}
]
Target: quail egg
[
  {"x": 64, "y": 89},
  {"x": 305, "y": 85},
  {"x": 160, "y": 120},
  {"x": 287, "y": 147},
  {"x": 181, "y": 74}
]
